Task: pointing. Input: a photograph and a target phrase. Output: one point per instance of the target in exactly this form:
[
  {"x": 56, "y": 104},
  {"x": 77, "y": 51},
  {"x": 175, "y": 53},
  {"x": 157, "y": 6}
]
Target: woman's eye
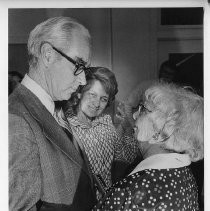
[
  {"x": 104, "y": 100},
  {"x": 92, "y": 95},
  {"x": 144, "y": 109}
]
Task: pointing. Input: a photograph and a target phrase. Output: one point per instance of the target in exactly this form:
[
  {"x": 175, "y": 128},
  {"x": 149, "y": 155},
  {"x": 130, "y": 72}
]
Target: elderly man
[{"x": 47, "y": 171}]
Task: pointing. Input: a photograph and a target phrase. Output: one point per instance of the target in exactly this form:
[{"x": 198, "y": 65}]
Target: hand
[
  {"x": 121, "y": 114},
  {"x": 124, "y": 114}
]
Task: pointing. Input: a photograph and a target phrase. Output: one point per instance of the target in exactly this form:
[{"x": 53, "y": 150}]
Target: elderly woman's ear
[
  {"x": 167, "y": 129},
  {"x": 171, "y": 122}
]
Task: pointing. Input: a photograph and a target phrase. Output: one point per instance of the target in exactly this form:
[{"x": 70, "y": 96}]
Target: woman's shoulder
[
  {"x": 167, "y": 173},
  {"x": 150, "y": 189},
  {"x": 148, "y": 180},
  {"x": 74, "y": 122},
  {"x": 104, "y": 119}
]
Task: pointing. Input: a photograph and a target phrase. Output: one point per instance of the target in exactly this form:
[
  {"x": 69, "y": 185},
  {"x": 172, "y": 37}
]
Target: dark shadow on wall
[
  {"x": 189, "y": 67},
  {"x": 18, "y": 58}
]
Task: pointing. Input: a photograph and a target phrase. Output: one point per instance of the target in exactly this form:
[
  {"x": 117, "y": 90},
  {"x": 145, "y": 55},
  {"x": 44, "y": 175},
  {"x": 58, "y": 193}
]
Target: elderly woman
[
  {"x": 169, "y": 129},
  {"x": 94, "y": 130}
]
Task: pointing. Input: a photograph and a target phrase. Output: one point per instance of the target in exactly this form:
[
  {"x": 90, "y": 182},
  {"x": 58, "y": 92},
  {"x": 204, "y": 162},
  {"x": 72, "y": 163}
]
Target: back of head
[
  {"x": 14, "y": 78},
  {"x": 59, "y": 31},
  {"x": 16, "y": 74},
  {"x": 168, "y": 71},
  {"x": 183, "y": 112}
]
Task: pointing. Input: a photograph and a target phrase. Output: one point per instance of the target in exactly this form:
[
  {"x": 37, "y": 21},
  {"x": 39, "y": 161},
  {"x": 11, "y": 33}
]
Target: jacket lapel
[{"x": 52, "y": 130}]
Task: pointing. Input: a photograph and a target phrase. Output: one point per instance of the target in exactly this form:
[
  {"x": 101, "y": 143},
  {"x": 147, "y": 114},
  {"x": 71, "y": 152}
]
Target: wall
[
  {"x": 185, "y": 35},
  {"x": 133, "y": 41},
  {"x": 121, "y": 40},
  {"x": 22, "y": 21}
]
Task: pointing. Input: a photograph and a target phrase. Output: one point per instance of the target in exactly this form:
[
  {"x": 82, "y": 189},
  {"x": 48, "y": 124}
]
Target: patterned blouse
[
  {"x": 103, "y": 145},
  {"x": 171, "y": 189}
]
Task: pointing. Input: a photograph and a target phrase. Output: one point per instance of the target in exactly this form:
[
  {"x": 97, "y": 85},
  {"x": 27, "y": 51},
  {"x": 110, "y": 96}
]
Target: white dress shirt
[{"x": 43, "y": 96}]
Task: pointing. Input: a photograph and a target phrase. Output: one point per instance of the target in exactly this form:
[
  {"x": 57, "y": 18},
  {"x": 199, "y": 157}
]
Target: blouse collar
[
  {"x": 163, "y": 161},
  {"x": 104, "y": 119}
]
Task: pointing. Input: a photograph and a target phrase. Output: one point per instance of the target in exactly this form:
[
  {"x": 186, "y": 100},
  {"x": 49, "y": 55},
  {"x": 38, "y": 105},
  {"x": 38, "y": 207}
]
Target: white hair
[
  {"x": 186, "y": 110},
  {"x": 58, "y": 31}
]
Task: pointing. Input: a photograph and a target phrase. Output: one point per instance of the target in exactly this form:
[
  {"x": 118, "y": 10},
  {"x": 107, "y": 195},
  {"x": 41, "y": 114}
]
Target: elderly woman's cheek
[
  {"x": 135, "y": 115},
  {"x": 144, "y": 129}
]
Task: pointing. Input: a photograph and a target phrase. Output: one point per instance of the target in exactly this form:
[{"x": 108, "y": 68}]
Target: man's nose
[{"x": 82, "y": 78}]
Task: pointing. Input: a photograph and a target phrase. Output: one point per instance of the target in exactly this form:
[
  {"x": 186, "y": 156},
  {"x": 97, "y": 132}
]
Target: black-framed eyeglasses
[
  {"x": 79, "y": 65},
  {"x": 143, "y": 108}
]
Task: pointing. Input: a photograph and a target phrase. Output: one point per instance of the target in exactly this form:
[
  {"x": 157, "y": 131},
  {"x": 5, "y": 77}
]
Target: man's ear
[{"x": 47, "y": 54}]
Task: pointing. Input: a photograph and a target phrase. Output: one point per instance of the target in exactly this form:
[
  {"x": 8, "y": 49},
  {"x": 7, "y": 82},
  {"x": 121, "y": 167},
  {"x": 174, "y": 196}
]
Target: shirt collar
[
  {"x": 163, "y": 161},
  {"x": 36, "y": 89},
  {"x": 103, "y": 119}
]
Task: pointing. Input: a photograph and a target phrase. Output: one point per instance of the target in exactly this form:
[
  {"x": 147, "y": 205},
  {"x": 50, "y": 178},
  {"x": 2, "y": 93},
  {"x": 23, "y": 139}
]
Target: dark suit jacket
[{"x": 43, "y": 162}]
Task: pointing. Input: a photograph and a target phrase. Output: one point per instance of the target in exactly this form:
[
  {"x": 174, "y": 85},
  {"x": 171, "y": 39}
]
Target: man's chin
[{"x": 67, "y": 96}]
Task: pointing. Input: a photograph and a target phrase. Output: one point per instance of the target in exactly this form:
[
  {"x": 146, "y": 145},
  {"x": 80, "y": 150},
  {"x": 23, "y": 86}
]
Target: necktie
[{"x": 61, "y": 119}]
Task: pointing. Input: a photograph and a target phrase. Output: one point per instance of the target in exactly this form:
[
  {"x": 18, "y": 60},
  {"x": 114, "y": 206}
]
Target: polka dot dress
[{"x": 152, "y": 190}]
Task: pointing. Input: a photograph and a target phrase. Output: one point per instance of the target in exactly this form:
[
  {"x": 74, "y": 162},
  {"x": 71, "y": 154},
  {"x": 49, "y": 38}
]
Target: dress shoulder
[{"x": 164, "y": 189}]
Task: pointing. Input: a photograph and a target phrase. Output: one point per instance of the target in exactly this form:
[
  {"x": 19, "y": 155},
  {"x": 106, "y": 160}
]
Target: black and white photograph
[{"x": 105, "y": 105}]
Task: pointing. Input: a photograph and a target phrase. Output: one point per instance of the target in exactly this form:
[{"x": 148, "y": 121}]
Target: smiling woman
[
  {"x": 94, "y": 101},
  {"x": 94, "y": 130}
]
